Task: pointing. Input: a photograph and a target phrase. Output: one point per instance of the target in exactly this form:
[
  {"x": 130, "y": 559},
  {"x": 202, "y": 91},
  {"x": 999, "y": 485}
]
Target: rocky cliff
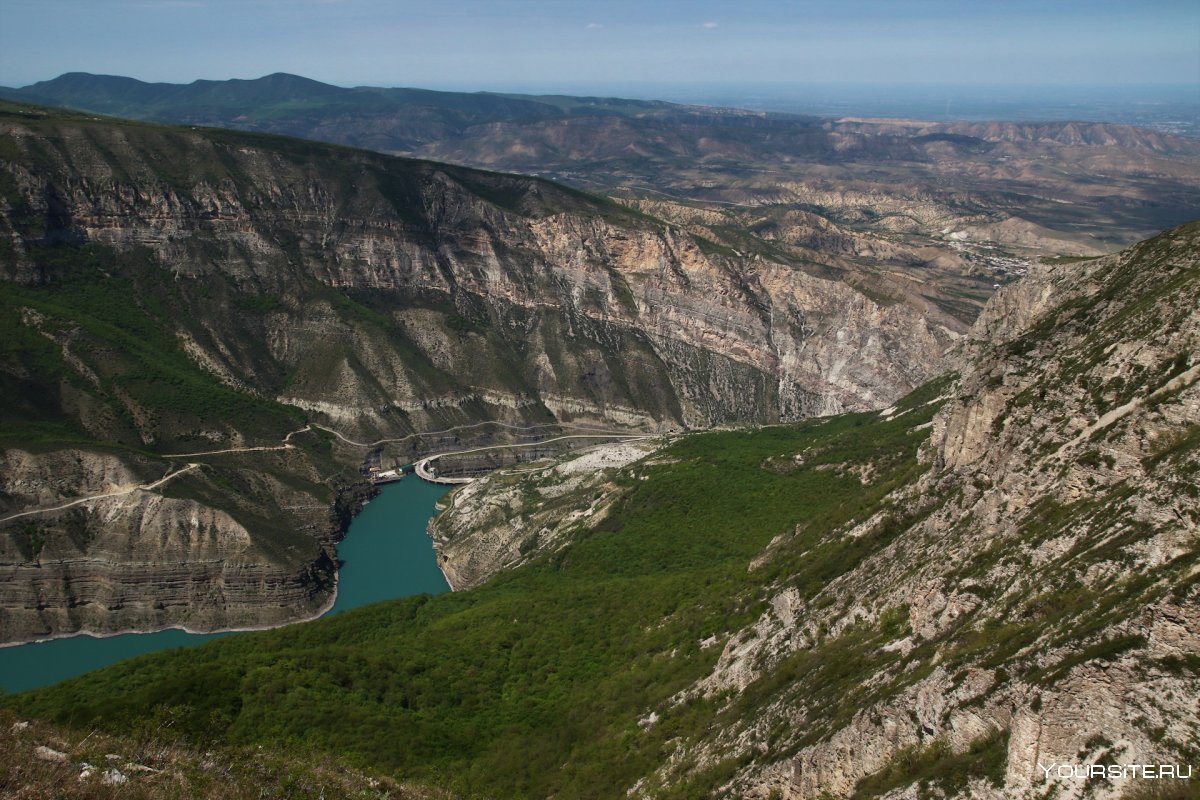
[
  {"x": 506, "y": 292},
  {"x": 1032, "y": 599},
  {"x": 174, "y": 296}
]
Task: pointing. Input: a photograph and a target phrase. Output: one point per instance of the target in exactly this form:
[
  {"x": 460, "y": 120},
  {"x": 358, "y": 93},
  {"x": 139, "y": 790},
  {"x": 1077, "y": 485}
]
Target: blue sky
[{"x": 543, "y": 45}]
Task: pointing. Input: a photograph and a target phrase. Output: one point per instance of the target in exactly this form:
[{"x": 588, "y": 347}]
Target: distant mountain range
[{"x": 298, "y": 106}]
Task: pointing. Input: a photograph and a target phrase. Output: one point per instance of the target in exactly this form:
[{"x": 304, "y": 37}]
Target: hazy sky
[{"x": 539, "y": 44}]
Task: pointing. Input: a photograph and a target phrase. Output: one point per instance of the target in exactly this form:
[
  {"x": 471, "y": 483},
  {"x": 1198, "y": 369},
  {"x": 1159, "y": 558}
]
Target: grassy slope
[
  {"x": 532, "y": 685},
  {"x": 118, "y": 315},
  {"x": 155, "y": 765}
]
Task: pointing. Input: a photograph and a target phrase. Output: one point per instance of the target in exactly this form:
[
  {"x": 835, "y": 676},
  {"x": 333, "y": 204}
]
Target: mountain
[
  {"x": 999, "y": 570},
  {"x": 191, "y": 303},
  {"x": 293, "y": 105},
  {"x": 954, "y": 206}
]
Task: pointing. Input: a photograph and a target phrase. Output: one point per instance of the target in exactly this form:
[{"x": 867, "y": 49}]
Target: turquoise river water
[{"x": 386, "y": 554}]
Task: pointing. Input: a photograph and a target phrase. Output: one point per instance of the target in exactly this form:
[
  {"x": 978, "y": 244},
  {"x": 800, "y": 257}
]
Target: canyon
[
  {"x": 997, "y": 571},
  {"x": 912, "y": 506},
  {"x": 170, "y": 291}
]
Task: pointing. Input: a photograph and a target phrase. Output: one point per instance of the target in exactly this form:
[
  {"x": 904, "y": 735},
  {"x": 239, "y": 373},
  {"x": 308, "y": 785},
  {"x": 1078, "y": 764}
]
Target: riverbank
[
  {"x": 325, "y": 608},
  {"x": 386, "y": 554}
]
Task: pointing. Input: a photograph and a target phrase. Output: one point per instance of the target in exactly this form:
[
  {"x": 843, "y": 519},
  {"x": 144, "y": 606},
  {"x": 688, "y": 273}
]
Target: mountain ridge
[
  {"x": 955, "y": 205},
  {"x": 81, "y": 88}
]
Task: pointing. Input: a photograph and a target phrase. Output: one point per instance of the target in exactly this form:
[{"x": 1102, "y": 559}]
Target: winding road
[
  {"x": 145, "y": 487},
  {"x": 422, "y": 467}
]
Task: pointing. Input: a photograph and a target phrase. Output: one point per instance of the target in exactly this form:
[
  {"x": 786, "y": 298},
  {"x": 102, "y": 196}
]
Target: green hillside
[
  {"x": 920, "y": 582},
  {"x": 532, "y": 685}
]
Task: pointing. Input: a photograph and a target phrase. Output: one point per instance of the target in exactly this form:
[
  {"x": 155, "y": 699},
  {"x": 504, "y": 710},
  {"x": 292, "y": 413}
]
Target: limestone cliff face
[
  {"x": 138, "y": 560},
  {"x": 520, "y": 294}
]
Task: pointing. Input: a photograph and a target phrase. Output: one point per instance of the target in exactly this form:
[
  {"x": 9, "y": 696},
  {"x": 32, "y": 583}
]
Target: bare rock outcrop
[
  {"x": 1053, "y": 588},
  {"x": 133, "y": 559},
  {"x": 503, "y": 519}
]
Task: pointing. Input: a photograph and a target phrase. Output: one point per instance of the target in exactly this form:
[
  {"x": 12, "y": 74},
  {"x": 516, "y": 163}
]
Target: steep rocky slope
[
  {"x": 1031, "y": 599},
  {"x": 1049, "y": 593},
  {"x": 169, "y": 294},
  {"x": 510, "y": 293}
]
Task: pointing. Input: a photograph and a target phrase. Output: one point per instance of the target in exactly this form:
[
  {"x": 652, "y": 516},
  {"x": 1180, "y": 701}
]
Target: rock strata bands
[
  {"x": 481, "y": 283},
  {"x": 170, "y": 290},
  {"x": 139, "y": 560}
]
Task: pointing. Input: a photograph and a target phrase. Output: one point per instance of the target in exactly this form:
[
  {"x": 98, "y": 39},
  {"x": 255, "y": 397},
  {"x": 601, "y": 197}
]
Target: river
[{"x": 385, "y": 554}]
